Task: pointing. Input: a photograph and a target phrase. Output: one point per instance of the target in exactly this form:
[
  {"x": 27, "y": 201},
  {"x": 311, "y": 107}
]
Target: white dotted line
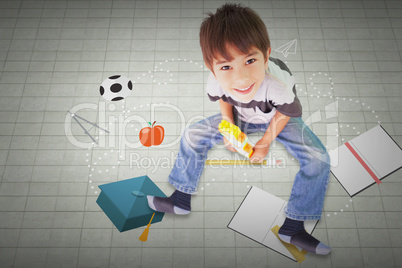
[
  {"x": 161, "y": 70},
  {"x": 94, "y": 167},
  {"x": 330, "y": 95},
  {"x": 341, "y": 210}
]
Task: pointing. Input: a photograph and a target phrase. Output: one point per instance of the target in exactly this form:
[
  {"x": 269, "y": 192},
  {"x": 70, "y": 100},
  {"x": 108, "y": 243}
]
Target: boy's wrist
[
  {"x": 266, "y": 139},
  {"x": 229, "y": 119}
]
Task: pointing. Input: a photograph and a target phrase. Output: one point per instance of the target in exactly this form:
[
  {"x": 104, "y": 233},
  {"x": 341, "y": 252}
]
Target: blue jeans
[{"x": 307, "y": 197}]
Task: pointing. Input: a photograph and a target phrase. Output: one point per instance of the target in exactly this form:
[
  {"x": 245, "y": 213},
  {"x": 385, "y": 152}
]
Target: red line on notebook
[{"x": 366, "y": 167}]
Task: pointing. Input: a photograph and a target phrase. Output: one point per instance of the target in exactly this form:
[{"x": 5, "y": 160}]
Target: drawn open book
[
  {"x": 365, "y": 160},
  {"x": 260, "y": 212}
]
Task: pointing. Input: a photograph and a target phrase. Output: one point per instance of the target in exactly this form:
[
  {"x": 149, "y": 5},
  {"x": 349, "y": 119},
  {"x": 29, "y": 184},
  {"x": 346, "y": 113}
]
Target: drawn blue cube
[{"x": 125, "y": 202}]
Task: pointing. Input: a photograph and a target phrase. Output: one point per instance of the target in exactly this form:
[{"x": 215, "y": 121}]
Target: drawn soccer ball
[{"x": 116, "y": 88}]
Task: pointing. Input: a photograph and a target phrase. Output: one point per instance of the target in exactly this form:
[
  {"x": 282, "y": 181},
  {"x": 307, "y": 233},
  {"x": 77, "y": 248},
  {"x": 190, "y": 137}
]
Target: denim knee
[
  {"x": 197, "y": 139},
  {"x": 189, "y": 139},
  {"x": 322, "y": 161}
]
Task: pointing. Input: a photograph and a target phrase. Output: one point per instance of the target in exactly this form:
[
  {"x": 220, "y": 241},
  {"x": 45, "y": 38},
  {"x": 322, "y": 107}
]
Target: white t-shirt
[{"x": 277, "y": 92}]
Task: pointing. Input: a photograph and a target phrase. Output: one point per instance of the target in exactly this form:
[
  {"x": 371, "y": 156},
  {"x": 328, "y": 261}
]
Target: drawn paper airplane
[{"x": 288, "y": 48}]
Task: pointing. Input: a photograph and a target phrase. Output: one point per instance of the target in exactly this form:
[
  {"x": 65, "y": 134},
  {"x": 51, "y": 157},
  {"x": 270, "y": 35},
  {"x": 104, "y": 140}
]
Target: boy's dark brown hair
[{"x": 234, "y": 25}]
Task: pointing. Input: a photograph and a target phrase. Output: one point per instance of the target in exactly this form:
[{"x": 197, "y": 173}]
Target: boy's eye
[
  {"x": 250, "y": 61},
  {"x": 225, "y": 68}
]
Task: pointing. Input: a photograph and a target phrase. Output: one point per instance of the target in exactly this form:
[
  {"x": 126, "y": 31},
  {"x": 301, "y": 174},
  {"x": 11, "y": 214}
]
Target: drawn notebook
[
  {"x": 365, "y": 160},
  {"x": 259, "y": 212}
]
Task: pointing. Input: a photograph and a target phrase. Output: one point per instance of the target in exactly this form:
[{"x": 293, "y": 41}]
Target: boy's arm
[
  {"x": 261, "y": 148},
  {"x": 226, "y": 111},
  {"x": 277, "y": 124},
  {"x": 227, "y": 114}
]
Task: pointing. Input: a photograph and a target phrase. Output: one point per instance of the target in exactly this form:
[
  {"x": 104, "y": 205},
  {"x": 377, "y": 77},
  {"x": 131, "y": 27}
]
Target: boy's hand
[
  {"x": 228, "y": 145},
  {"x": 261, "y": 149}
]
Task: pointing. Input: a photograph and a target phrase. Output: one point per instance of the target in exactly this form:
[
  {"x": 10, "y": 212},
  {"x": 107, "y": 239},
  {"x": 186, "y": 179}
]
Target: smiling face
[{"x": 243, "y": 75}]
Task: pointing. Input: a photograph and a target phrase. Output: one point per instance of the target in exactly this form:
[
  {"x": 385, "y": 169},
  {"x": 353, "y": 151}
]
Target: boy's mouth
[{"x": 244, "y": 90}]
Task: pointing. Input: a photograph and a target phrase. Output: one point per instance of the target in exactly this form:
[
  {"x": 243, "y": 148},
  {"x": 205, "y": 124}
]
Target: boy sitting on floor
[{"x": 258, "y": 94}]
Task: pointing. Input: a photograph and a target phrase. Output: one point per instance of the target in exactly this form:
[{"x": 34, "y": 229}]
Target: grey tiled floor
[{"x": 55, "y": 54}]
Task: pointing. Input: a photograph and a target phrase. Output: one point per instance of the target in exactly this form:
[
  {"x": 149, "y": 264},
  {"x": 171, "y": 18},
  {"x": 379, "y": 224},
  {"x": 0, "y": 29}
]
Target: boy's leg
[
  {"x": 195, "y": 143},
  {"x": 307, "y": 197}
]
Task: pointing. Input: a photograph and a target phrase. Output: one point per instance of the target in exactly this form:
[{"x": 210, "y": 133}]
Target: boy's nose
[{"x": 242, "y": 76}]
